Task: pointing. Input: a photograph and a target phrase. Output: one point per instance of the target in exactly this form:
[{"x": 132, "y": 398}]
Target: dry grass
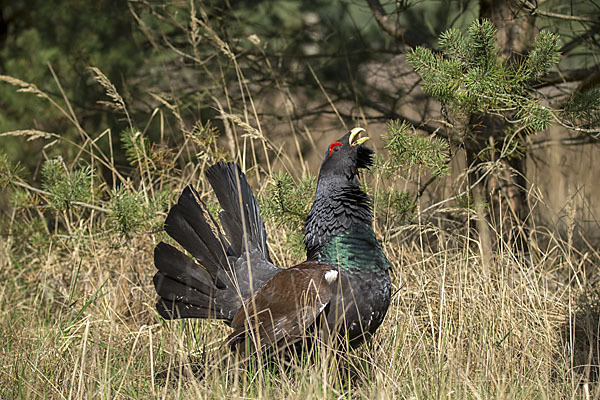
[{"x": 78, "y": 321}]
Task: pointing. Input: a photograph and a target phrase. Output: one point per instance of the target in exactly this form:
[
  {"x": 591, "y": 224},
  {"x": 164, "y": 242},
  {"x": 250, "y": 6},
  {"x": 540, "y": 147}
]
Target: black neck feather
[{"x": 335, "y": 211}]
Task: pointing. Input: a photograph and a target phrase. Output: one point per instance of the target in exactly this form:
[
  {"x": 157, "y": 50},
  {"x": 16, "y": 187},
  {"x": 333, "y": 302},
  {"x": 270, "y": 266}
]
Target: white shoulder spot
[{"x": 331, "y": 276}]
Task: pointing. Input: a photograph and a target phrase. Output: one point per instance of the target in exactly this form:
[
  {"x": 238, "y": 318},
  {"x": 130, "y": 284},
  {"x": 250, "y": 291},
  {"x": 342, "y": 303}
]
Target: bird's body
[{"x": 343, "y": 288}]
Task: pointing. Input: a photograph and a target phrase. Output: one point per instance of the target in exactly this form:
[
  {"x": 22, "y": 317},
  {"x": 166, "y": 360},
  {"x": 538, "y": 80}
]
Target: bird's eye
[{"x": 335, "y": 146}]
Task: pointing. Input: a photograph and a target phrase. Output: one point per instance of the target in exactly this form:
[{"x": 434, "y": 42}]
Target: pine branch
[
  {"x": 471, "y": 75},
  {"x": 45, "y": 193}
]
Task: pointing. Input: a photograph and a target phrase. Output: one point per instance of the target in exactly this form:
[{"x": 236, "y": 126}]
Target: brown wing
[{"x": 282, "y": 309}]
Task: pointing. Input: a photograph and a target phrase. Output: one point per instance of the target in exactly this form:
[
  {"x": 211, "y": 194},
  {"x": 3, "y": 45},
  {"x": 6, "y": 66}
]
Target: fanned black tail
[
  {"x": 240, "y": 212},
  {"x": 221, "y": 283}
]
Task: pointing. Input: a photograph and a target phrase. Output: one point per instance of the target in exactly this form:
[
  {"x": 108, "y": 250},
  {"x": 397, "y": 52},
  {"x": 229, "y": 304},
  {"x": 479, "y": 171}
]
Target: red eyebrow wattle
[{"x": 332, "y": 145}]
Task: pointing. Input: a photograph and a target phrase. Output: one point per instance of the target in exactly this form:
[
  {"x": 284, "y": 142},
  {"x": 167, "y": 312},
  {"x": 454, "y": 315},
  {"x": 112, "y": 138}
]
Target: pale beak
[{"x": 354, "y": 140}]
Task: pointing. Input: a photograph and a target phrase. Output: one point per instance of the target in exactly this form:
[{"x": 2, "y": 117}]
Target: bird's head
[
  {"x": 345, "y": 156},
  {"x": 340, "y": 204}
]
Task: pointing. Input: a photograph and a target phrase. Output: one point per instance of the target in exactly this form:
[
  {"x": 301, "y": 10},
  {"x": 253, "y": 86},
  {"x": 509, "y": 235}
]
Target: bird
[{"x": 342, "y": 291}]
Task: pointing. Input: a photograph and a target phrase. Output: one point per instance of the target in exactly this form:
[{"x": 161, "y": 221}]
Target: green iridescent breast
[{"x": 356, "y": 250}]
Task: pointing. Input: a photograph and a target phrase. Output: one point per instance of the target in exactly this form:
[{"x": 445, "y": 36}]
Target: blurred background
[{"x": 298, "y": 73}]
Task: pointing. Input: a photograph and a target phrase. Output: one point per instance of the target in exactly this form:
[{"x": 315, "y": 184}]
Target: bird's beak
[{"x": 354, "y": 140}]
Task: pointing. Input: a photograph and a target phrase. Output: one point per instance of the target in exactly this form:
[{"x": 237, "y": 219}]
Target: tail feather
[
  {"x": 239, "y": 206},
  {"x": 170, "y": 289},
  {"x": 173, "y": 263},
  {"x": 221, "y": 283},
  {"x": 188, "y": 290},
  {"x": 171, "y": 310},
  {"x": 187, "y": 225}
]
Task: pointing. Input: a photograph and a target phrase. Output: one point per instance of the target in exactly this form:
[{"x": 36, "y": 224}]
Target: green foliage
[
  {"x": 137, "y": 149},
  {"x": 130, "y": 213},
  {"x": 440, "y": 76},
  {"x": 286, "y": 203},
  {"x": 32, "y": 235},
  {"x": 407, "y": 149},
  {"x": 542, "y": 56},
  {"x": 482, "y": 45},
  {"x": 535, "y": 116},
  {"x": 583, "y": 108},
  {"x": 8, "y": 170},
  {"x": 127, "y": 213},
  {"x": 64, "y": 186},
  {"x": 205, "y": 135},
  {"x": 287, "y": 200},
  {"x": 21, "y": 199},
  {"x": 395, "y": 205},
  {"x": 154, "y": 211},
  {"x": 470, "y": 75}
]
